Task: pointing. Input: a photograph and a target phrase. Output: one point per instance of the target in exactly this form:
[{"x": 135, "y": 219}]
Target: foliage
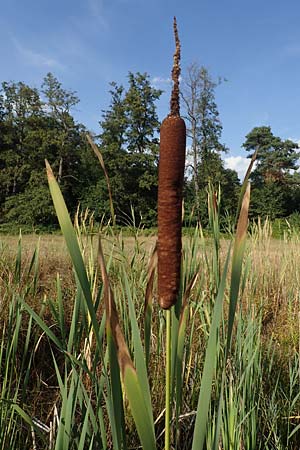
[
  {"x": 33, "y": 130},
  {"x": 33, "y": 206},
  {"x": 275, "y": 182},
  {"x": 202, "y": 115},
  {"x": 73, "y": 401},
  {"x": 213, "y": 173},
  {"x": 38, "y": 123},
  {"x": 204, "y": 129},
  {"x": 129, "y": 146}
]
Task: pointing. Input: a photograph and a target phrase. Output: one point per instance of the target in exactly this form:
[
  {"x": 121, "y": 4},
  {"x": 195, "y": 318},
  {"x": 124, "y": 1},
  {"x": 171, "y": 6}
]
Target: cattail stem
[
  {"x": 170, "y": 183},
  {"x": 168, "y": 380}
]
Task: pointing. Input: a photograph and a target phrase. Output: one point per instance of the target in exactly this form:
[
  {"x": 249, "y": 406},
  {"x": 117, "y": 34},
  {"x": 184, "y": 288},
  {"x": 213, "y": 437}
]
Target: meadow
[{"x": 59, "y": 389}]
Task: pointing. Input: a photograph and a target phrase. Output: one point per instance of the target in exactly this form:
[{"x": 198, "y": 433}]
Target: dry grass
[
  {"x": 271, "y": 285},
  {"x": 274, "y": 285},
  {"x": 54, "y": 258},
  {"x": 273, "y": 281}
]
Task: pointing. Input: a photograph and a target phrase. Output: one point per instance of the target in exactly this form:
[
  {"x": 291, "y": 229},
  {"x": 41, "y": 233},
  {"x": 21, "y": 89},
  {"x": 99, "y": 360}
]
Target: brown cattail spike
[
  {"x": 170, "y": 182},
  {"x": 175, "y": 109}
]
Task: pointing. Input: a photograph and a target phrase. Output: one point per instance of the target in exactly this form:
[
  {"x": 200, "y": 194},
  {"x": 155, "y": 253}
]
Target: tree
[
  {"x": 112, "y": 140},
  {"x": 20, "y": 111},
  {"x": 141, "y": 143},
  {"x": 140, "y": 110},
  {"x": 71, "y": 147},
  {"x": 33, "y": 206},
  {"x": 214, "y": 173},
  {"x": 60, "y": 102},
  {"x": 274, "y": 173},
  {"x": 129, "y": 145},
  {"x": 32, "y": 130},
  {"x": 204, "y": 130}
]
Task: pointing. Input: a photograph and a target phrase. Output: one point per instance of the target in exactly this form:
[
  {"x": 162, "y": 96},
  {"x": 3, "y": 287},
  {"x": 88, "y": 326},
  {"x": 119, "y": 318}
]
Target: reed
[{"x": 261, "y": 388}]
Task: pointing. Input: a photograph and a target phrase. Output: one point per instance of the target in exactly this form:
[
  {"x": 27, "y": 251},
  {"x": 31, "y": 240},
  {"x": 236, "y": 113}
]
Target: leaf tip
[
  {"x": 49, "y": 170},
  {"x": 243, "y": 219}
]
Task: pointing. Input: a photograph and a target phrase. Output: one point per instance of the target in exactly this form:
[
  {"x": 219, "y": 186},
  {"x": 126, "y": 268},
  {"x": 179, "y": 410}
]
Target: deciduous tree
[
  {"x": 129, "y": 145},
  {"x": 204, "y": 130}
]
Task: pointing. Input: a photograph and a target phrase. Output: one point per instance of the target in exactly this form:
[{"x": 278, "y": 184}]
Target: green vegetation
[
  {"x": 56, "y": 388},
  {"x": 38, "y": 124},
  {"x": 204, "y": 129},
  {"x": 275, "y": 182}
]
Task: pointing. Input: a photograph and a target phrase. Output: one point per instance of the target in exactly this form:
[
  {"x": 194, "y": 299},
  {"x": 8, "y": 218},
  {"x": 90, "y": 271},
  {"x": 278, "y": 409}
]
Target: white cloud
[
  {"x": 297, "y": 140},
  {"x": 238, "y": 163},
  {"x": 161, "y": 80},
  {"x": 35, "y": 58}
]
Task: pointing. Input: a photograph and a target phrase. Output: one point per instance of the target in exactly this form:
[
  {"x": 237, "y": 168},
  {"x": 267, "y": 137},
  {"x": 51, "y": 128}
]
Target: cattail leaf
[
  {"x": 148, "y": 303},
  {"x": 24, "y": 415},
  {"x": 68, "y": 399},
  {"x": 18, "y": 263},
  {"x": 75, "y": 319},
  {"x": 115, "y": 396},
  {"x": 84, "y": 429},
  {"x": 236, "y": 272},
  {"x": 242, "y": 225},
  {"x": 139, "y": 356},
  {"x": 73, "y": 247},
  {"x": 181, "y": 341},
  {"x": 139, "y": 409},
  {"x": 135, "y": 384},
  {"x": 118, "y": 355},
  {"x": 237, "y": 260},
  {"x": 28, "y": 420},
  {"x": 102, "y": 164},
  {"x": 43, "y": 326},
  {"x": 209, "y": 365},
  {"x": 112, "y": 320},
  {"x": 245, "y": 182}
]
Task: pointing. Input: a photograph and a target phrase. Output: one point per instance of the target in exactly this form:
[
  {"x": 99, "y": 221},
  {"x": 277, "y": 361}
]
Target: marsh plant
[{"x": 61, "y": 381}]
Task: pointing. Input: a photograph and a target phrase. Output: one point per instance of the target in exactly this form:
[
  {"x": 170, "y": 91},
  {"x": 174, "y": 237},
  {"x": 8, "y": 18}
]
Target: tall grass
[{"x": 61, "y": 386}]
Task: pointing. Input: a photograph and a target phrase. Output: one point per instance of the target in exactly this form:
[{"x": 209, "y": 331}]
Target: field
[{"x": 57, "y": 386}]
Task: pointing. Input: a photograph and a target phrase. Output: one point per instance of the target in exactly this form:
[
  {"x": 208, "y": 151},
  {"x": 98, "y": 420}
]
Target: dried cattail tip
[
  {"x": 175, "y": 106},
  {"x": 170, "y": 183}
]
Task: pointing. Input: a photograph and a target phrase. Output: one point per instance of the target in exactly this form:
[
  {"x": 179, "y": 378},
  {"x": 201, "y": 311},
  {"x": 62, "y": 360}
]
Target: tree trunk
[
  {"x": 195, "y": 167},
  {"x": 14, "y": 184},
  {"x": 60, "y": 170}
]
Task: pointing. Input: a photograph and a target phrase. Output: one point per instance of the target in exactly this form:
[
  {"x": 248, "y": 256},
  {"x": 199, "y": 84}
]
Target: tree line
[{"x": 38, "y": 124}]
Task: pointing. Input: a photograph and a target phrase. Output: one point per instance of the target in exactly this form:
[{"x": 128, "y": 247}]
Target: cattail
[{"x": 170, "y": 183}]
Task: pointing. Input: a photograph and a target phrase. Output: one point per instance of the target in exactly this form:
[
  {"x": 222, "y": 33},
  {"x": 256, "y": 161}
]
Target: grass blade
[
  {"x": 101, "y": 161},
  {"x": 73, "y": 247},
  {"x": 209, "y": 366},
  {"x": 138, "y": 400},
  {"x": 148, "y": 304}
]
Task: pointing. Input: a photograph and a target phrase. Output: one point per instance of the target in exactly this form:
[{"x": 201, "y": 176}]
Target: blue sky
[{"x": 254, "y": 44}]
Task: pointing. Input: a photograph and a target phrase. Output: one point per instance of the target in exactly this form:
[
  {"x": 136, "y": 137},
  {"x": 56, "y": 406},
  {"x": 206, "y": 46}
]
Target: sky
[{"x": 86, "y": 44}]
